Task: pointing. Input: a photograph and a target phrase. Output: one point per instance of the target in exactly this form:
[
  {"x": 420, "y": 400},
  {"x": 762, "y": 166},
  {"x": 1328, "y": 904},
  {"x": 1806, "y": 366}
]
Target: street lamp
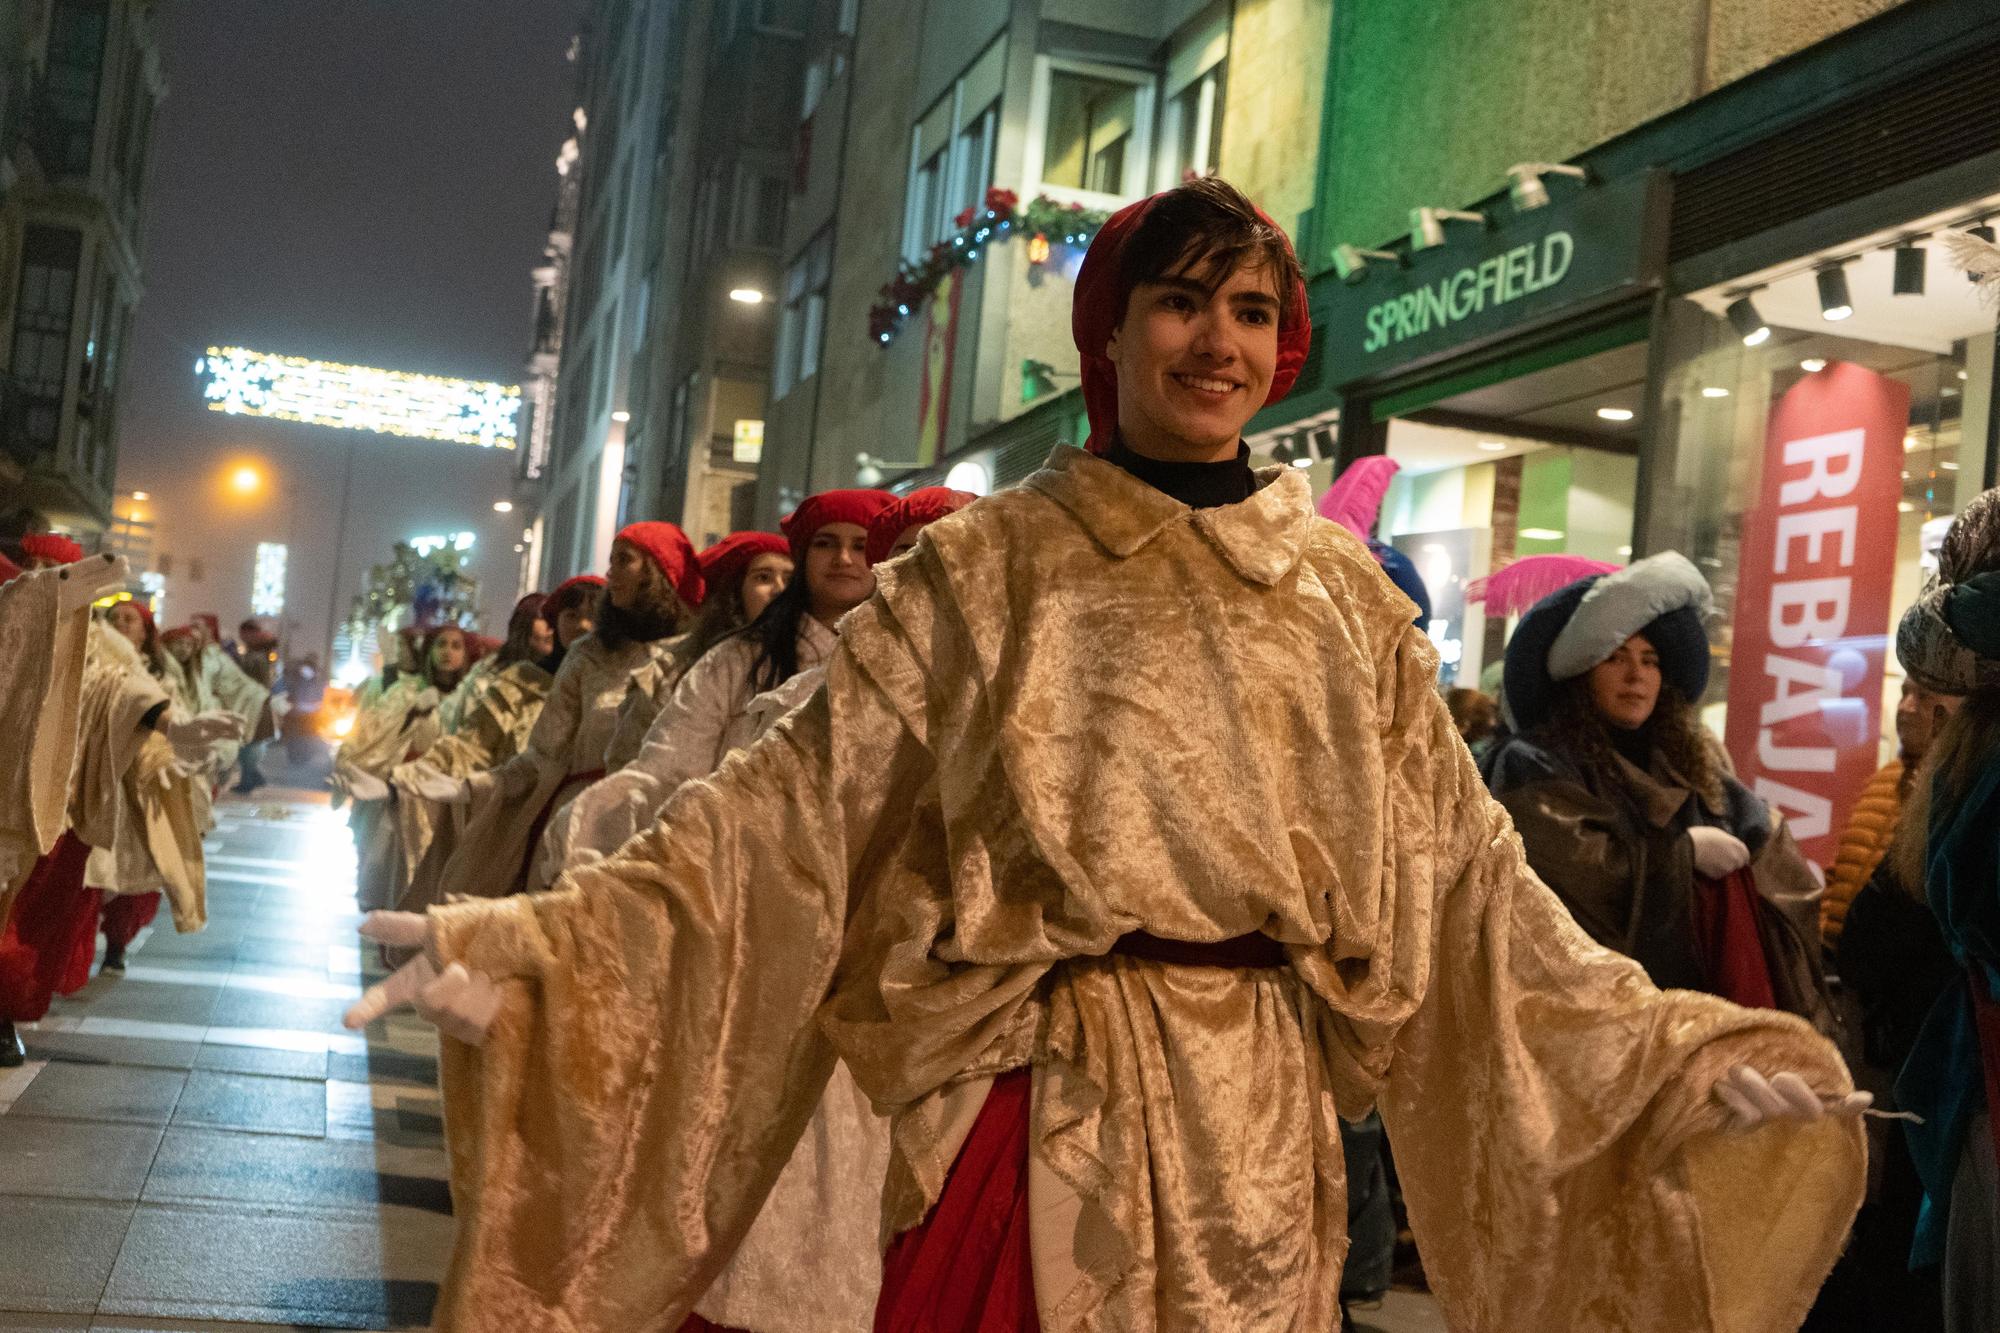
[{"x": 246, "y": 480}]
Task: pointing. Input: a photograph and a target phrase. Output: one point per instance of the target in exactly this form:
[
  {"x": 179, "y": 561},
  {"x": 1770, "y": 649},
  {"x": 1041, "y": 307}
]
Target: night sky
[{"x": 365, "y": 181}]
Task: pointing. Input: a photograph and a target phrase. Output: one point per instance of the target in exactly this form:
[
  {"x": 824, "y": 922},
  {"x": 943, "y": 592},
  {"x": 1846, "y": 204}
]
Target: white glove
[
  {"x": 420, "y": 779},
  {"x": 1717, "y": 852},
  {"x": 461, "y": 1004},
  {"x": 1753, "y": 1099},
  {"x": 364, "y": 786},
  {"x": 192, "y": 736}
]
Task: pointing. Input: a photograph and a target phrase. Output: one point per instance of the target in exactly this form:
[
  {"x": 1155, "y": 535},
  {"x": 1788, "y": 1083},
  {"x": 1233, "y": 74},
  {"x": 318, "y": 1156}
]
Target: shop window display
[{"x": 1810, "y": 473}]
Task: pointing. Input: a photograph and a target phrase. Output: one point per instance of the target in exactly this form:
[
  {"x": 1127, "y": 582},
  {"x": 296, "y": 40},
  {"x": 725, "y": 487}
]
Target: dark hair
[
  {"x": 659, "y": 613},
  {"x": 776, "y": 634},
  {"x": 520, "y": 644},
  {"x": 1206, "y": 230},
  {"x": 1963, "y": 747},
  {"x": 1473, "y": 713},
  {"x": 1576, "y": 731},
  {"x": 427, "y": 668},
  {"x": 720, "y": 616}
]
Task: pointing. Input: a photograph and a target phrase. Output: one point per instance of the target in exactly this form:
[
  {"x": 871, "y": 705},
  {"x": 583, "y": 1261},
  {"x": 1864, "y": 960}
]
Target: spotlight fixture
[
  {"x": 621, "y": 416},
  {"x": 1984, "y": 231},
  {"x": 1813, "y": 365},
  {"x": 1427, "y": 224},
  {"x": 1714, "y": 391},
  {"x": 1835, "y": 302},
  {"x": 1351, "y": 261},
  {"x": 1909, "y": 279},
  {"x": 1749, "y": 325},
  {"x": 1616, "y": 413},
  {"x": 1526, "y": 188}
]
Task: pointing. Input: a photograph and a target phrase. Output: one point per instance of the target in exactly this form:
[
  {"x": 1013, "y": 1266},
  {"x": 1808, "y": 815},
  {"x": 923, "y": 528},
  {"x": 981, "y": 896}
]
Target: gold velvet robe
[
  {"x": 1079, "y": 709},
  {"x": 43, "y": 646},
  {"x": 400, "y": 723}
]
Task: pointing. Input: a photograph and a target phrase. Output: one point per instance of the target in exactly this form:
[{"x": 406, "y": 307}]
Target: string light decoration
[
  {"x": 1046, "y": 223},
  {"x": 389, "y": 402}
]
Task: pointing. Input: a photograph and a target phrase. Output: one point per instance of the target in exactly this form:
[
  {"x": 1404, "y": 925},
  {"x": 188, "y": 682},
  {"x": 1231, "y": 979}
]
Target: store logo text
[{"x": 1519, "y": 272}]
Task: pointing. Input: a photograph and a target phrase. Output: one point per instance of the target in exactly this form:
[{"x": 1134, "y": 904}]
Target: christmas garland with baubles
[{"x": 1045, "y": 222}]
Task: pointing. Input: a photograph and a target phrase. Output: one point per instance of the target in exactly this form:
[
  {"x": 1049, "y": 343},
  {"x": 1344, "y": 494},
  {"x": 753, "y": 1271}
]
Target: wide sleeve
[
  {"x": 685, "y": 741},
  {"x": 548, "y": 745},
  {"x": 614, "y": 1138},
  {"x": 1561, "y": 1152}
]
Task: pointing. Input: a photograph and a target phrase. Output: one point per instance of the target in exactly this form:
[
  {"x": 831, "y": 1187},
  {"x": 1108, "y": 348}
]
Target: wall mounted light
[
  {"x": 1835, "y": 302},
  {"x": 1527, "y": 189},
  {"x": 1749, "y": 325},
  {"x": 746, "y": 295},
  {"x": 1909, "y": 279},
  {"x": 1427, "y": 224},
  {"x": 1351, "y": 261}
]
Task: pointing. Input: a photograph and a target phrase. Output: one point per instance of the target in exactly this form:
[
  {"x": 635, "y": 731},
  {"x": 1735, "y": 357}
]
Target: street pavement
[{"x": 199, "y": 1144}]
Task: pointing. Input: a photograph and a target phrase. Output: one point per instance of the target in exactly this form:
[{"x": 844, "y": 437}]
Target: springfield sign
[
  {"x": 1521, "y": 271},
  {"x": 1594, "y": 245},
  {"x": 1812, "y": 601}
]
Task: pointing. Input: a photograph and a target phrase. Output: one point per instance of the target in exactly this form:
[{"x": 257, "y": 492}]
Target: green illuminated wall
[{"x": 1432, "y": 101}]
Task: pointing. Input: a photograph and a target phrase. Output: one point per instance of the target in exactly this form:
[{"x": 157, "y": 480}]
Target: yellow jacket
[{"x": 1862, "y": 846}]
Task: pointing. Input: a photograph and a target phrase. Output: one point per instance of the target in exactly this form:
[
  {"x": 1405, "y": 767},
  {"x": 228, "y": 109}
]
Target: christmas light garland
[{"x": 1044, "y": 222}]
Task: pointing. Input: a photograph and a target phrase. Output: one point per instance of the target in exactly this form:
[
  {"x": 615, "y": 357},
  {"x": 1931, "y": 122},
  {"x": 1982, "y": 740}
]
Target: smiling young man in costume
[{"x": 1127, "y": 843}]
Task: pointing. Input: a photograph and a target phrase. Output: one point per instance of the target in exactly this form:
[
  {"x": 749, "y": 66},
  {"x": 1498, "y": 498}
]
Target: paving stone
[
  {"x": 85, "y": 1048},
  {"x": 258, "y": 1060},
  {"x": 102, "y": 1092},
  {"x": 59, "y": 1252},
  {"x": 253, "y": 1102},
  {"x": 72, "y": 1159},
  {"x": 323, "y": 1174}
]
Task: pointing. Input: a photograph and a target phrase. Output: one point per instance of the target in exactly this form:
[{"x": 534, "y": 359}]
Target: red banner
[{"x": 1812, "y": 600}]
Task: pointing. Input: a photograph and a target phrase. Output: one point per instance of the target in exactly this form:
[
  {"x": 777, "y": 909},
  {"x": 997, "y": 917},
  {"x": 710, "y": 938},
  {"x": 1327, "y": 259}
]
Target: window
[
  {"x": 75, "y": 70},
  {"x": 759, "y": 215},
  {"x": 951, "y": 153},
  {"x": 1089, "y": 135},
  {"x": 1191, "y": 116},
  {"x": 850, "y": 17},
  {"x": 779, "y": 16},
  {"x": 45, "y": 306},
  {"x": 803, "y": 320}
]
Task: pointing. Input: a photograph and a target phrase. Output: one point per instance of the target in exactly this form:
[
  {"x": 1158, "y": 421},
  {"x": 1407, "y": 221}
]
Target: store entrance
[{"x": 1534, "y": 456}]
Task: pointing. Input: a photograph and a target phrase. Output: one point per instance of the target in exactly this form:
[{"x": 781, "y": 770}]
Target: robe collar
[{"x": 1263, "y": 538}]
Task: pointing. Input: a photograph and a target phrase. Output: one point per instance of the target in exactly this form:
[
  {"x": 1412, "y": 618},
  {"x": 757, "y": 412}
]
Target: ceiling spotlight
[
  {"x": 1427, "y": 224},
  {"x": 1813, "y": 365},
  {"x": 1835, "y": 303},
  {"x": 1616, "y": 413},
  {"x": 1984, "y": 231},
  {"x": 1909, "y": 279},
  {"x": 1749, "y": 325},
  {"x": 503, "y": 506},
  {"x": 140, "y": 495},
  {"x": 621, "y": 416},
  {"x": 746, "y": 295},
  {"x": 1714, "y": 391},
  {"x": 1526, "y": 188},
  {"x": 1351, "y": 261},
  {"x": 1493, "y": 446},
  {"x": 1302, "y": 462}
]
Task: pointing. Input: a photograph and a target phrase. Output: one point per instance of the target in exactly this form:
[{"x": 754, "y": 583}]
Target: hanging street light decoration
[
  {"x": 390, "y": 402},
  {"x": 1046, "y": 223}
]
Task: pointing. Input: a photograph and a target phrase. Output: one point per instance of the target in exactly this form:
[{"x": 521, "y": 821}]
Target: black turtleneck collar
[
  {"x": 1197, "y": 485},
  {"x": 1634, "y": 743}
]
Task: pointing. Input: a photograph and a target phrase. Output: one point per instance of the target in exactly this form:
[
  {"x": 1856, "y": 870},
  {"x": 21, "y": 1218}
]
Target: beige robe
[
  {"x": 492, "y": 730},
  {"x": 225, "y": 685},
  {"x": 399, "y": 724},
  {"x": 43, "y": 647},
  {"x": 1079, "y": 709},
  {"x": 646, "y": 693},
  {"x": 129, "y": 802},
  {"x": 566, "y": 743}
]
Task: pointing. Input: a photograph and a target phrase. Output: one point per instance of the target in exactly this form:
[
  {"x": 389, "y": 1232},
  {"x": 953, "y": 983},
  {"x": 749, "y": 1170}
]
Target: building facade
[{"x": 82, "y": 85}]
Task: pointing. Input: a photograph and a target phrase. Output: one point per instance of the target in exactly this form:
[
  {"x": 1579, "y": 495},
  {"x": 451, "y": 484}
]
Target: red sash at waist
[{"x": 1253, "y": 950}]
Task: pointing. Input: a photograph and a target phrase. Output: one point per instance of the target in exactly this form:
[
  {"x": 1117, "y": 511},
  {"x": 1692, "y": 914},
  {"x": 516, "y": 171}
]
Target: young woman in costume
[{"x": 1127, "y": 846}]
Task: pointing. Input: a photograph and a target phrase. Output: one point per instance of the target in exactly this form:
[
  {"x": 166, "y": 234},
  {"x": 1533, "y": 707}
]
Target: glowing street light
[
  {"x": 503, "y": 506},
  {"x": 246, "y": 480}
]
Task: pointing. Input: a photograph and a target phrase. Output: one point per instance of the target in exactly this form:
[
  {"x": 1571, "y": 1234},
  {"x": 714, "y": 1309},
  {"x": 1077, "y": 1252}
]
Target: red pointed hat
[
  {"x": 51, "y": 546},
  {"x": 728, "y": 558},
  {"x": 858, "y": 507},
  {"x": 668, "y": 548},
  {"x": 1099, "y": 307},
  {"x": 915, "y": 510}
]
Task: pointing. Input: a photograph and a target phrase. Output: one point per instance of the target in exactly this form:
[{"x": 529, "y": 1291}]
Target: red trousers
[
  {"x": 51, "y": 936},
  {"x": 126, "y": 914}
]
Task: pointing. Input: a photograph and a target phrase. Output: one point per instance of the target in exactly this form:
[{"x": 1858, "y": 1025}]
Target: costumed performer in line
[
  {"x": 652, "y": 586},
  {"x": 1127, "y": 844},
  {"x": 704, "y": 720}
]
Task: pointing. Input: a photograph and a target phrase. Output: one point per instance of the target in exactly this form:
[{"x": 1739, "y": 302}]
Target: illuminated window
[
  {"x": 390, "y": 402},
  {"x": 267, "y": 585}
]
